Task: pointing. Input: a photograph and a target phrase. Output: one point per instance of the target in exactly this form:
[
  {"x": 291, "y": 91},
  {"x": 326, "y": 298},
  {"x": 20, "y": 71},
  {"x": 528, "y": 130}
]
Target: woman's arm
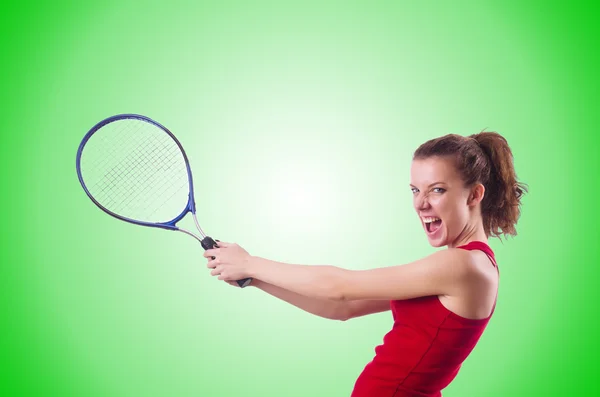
[
  {"x": 445, "y": 272},
  {"x": 326, "y": 308}
]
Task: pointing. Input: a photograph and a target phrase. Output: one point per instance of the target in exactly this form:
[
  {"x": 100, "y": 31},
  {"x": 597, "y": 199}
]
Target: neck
[{"x": 473, "y": 231}]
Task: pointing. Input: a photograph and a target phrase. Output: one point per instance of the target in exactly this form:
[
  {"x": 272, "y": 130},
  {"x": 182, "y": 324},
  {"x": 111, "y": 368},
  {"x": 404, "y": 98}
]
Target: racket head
[{"x": 125, "y": 158}]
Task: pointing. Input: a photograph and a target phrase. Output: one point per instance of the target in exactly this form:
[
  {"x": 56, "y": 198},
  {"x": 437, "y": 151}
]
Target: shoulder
[
  {"x": 458, "y": 261},
  {"x": 460, "y": 266},
  {"x": 475, "y": 266}
]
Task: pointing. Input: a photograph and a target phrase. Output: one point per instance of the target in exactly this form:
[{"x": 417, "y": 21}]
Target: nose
[{"x": 421, "y": 202}]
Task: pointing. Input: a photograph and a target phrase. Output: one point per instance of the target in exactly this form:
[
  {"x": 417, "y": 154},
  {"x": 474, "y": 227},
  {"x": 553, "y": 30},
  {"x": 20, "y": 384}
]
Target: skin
[
  {"x": 464, "y": 281},
  {"x": 439, "y": 191}
]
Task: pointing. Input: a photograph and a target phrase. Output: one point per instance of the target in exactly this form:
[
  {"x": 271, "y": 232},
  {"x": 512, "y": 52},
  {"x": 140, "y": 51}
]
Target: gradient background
[{"x": 301, "y": 119}]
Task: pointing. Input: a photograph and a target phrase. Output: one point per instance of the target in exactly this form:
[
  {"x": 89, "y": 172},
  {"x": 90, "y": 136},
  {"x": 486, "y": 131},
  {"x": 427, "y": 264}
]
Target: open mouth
[{"x": 432, "y": 224}]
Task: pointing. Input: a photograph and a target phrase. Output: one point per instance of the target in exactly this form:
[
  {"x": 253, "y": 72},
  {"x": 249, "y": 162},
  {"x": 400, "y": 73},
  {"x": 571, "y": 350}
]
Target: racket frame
[
  {"x": 169, "y": 225},
  {"x": 206, "y": 241}
]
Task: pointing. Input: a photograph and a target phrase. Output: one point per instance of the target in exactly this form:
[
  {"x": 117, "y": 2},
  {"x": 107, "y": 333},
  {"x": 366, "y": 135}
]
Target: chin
[
  {"x": 441, "y": 241},
  {"x": 437, "y": 244}
]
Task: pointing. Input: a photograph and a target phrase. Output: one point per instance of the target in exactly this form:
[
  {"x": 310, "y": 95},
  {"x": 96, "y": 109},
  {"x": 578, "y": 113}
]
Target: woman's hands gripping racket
[{"x": 135, "y": 169}]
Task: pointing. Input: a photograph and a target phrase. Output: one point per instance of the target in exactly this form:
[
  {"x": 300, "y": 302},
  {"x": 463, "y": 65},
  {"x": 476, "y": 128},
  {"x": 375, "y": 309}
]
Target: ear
[{"x": 476, "y": 195}]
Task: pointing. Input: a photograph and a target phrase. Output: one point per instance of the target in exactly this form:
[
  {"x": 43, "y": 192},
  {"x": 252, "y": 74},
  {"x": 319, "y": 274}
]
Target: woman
[{"x": 465, "y": 191}]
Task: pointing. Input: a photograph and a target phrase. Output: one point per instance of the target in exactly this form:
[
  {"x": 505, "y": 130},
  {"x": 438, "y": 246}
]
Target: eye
[
  {"x": 439, "y": 190},
  {"x": 414, "y": 190}
]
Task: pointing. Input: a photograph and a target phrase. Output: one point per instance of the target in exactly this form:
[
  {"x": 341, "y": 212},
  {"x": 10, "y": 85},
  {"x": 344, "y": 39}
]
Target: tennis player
[{"x": 465, "y": 191}]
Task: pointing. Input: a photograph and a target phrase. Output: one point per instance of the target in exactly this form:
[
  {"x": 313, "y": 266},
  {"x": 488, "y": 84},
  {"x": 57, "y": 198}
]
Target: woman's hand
[{"x": 231, "y": 262}]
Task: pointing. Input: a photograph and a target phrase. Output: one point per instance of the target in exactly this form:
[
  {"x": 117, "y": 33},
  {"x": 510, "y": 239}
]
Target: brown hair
[{"x": 484, "y": 158}]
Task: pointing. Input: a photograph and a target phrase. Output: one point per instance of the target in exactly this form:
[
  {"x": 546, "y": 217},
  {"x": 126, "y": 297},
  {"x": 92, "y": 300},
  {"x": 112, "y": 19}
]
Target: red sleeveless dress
[{"x": 425, "y": 349}]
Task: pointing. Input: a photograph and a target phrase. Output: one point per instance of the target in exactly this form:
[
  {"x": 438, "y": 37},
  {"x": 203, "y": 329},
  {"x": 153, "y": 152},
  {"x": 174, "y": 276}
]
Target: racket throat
[{"x": 198, "y": 225}]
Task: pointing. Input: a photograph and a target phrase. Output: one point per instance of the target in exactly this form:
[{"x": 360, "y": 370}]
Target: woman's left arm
[{"x": 441, "y": 273}]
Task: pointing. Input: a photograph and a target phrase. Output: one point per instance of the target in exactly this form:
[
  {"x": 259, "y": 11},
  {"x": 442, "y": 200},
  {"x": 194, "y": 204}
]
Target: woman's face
[{"x": 440, "y": 199}]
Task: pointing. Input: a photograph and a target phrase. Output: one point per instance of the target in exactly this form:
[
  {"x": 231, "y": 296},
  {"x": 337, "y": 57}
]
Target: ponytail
[{"x": 501, "y": 205}]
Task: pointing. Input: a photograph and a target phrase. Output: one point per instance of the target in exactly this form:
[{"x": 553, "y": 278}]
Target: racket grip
[{"x": 208, "y": 243}]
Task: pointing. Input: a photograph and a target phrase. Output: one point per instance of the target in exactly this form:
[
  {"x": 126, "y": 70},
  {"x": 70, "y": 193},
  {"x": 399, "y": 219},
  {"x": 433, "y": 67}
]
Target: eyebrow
[{"x": 431, "y": 184}]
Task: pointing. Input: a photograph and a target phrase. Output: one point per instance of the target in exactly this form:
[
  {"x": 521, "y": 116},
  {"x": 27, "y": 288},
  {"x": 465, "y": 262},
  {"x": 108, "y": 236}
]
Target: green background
[{"x": 299, "y": 121}]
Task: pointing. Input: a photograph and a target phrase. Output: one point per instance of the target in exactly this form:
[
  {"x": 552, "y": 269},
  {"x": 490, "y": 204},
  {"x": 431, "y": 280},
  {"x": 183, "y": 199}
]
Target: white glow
[
  {"x": 297, "y": 193},
  {"x": 301, "y": 197}
]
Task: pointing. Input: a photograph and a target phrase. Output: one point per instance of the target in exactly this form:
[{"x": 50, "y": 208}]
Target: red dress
[{"x": 424, "y": 350}]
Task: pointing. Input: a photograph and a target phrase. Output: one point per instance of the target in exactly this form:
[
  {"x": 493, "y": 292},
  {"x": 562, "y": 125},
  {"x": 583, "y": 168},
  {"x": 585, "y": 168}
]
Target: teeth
[{"x": 429, "y": 220}]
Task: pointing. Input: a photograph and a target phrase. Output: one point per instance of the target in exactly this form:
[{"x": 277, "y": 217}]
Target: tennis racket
[{"x": 135, "y": 170}]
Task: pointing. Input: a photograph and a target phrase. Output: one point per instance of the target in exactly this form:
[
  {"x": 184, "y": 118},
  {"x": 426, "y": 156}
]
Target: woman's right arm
[{"x": 330, "y": 309}]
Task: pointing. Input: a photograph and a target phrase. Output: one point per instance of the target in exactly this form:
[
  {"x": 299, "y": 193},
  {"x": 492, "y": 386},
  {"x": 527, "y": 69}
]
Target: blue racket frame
[
  {"x": 170, "y": 225},
  {"x": 206, "y": 241}
]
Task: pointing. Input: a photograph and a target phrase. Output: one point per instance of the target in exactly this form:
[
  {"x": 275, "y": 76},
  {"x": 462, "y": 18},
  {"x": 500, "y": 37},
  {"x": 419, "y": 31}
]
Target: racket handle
[{"x": 208, "y": 243}]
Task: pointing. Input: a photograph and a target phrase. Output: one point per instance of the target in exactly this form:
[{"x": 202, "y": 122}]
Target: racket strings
[
  {"x": 125, "y": 168},
  {"x": 136, "y": 170},
  {"x": 139, "y": 183},
  {"x": 111, "y": 143},
  {"x": 140, "y": 180},
  {"x": 171, "y": 186}
]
